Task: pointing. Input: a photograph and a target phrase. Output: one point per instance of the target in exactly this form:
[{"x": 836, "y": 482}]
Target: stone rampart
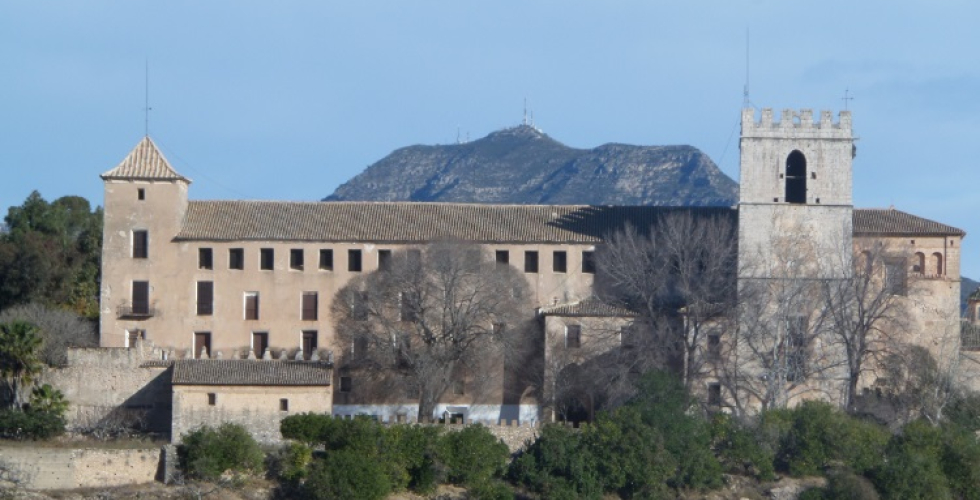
[{"x": 55, "y": 469}]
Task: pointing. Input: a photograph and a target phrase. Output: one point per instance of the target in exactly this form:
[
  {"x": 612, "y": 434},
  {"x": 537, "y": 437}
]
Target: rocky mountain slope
[{"x": 524, "y": 166}]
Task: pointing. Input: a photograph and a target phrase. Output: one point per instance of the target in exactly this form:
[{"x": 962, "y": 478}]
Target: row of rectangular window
[
  {"x": 236, "y": 259},
  {"x": 260, "y": 343},
  {"x": 309, "y": 303},
  {"x": 213, "y": 401}
]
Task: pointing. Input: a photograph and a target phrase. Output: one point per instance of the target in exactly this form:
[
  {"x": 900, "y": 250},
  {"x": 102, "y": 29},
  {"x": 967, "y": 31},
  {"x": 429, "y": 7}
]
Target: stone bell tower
[{"x": 795, "y": 201}]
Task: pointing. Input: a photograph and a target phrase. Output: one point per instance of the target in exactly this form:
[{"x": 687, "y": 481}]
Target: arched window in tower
[
  {"x": 919, "y": 263},
  {"x": 796, "y": 178},
  {"x": 937, "y": 261}
]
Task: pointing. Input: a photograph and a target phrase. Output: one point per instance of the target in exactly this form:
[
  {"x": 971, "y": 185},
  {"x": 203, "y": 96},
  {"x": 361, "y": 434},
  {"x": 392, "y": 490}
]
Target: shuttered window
[
  {"x": 205, "y": 298},
  {"x": 309, "y": 306},
  {"x": 251, "y": 305},
  {"x": 267, "y": 258},
  {"x": 326, "y": 259},
  {"x": 205, "y": 258},
  {"x": 140, "y": 242},
  {"x": 309, "y": 343},
  {"x": 236, "y": 258},
  {"x": 141, "y": 297}
]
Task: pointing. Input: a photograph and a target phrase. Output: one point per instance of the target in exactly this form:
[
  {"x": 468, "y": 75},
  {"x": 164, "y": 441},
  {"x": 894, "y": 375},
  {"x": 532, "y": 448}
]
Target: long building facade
[{"x": 235, "y": 279}]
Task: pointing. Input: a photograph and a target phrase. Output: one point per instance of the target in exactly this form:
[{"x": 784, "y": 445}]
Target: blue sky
[{"x": 287, "y": 100}]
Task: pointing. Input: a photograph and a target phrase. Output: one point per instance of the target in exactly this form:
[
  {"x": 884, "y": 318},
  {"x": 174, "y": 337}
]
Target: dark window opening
[
  {"x": 560, "y": 262},
  {"x": 796, "y": 178},
  {"x": 502, "y": 258},
  {"x": 588, "y": 262},
  {"x": 326, "y": 259},
  {"x": 573, "y": 336},
  {"x": 140, "y": 244},
  {"x": 283, "y": 405},
  {"x": 205, "y": 258},
  {"x": 309, "y": 343},
  {"x": 212, "y": 399},
  {"x": 354, "y": 261},
  {"x": 236, "y": 258},
  {"x": 267, "y": 259},
  {"x": 795, "y": 348},
  {"x": 141, "y": 297},
  {"x": 205, "y": 298},
  {"x": 714, "y": 394},
  {"x": 296, "y": 259},
  {"x": 202, "y": 344},
  {"x": 714, "y": 347},
  {"x": 895, "y": 276},
  {"x": 937, "y": 259},
  {"x": 140, "y": 194},
  {"x": 260, "y": 343},
  {"x": 359, "y": 348},
  {"x": 252, "y": 305},
  {"x": 359, "y": 307},
  {"x": 345, "y": 384},
  {"x": 384, "y": 260},
  {"x": 409, "y": 306},
  {"x": 531, "y": 261},
  {"x": 310, "y": 302}
]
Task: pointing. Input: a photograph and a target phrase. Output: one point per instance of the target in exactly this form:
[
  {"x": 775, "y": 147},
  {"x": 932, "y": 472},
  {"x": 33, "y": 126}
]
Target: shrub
[
  {"x": 347, "y": 475},
  {"x": 290, "y": 463},
  {"x": 843, "y": 484},
  {"x": 964, "y": 412},
  {"x": 665, "y": 405},
  {"x": 31, "y": 424},
  {"x": 309, "y": 428},
  {"x": 558, "y": 465},
  {"x": 960, "y": 461},
  {"x": 821, "y": 436},
  {"x": 739, "y": 450},
  {"x": 473, "y": 455},
  {"x": 630, "y": 455},
  {"x": 912, "y": 467},
  {"x": 411, "y": 453},
  {"x": 207, "y": 453}
]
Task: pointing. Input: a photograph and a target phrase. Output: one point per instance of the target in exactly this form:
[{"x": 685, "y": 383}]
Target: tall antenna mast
[
  {"x": 745, "y": 91},
  {"x": 146, "y": 102},
  {"x": 525, "y": 111}
]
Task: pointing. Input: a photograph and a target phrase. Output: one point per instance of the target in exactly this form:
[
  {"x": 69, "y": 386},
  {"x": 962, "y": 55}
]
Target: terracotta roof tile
[
  {"x": 888, "y": 221},
  {"x": 144, "y": 162},
  {"x": 590, "y": 307},
  {"x": 397, "y": 222},
  {"x": 250, "y": 372}
]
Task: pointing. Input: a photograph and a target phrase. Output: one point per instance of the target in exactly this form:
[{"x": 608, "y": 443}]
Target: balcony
[{"x": 136, "y": 310}]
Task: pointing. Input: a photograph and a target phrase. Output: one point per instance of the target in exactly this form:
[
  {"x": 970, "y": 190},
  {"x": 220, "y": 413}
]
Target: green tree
[
  {"x": 207, "y": 453},
  {"x": 19, "y": 358},
  {"x": 50, "y": 254}
]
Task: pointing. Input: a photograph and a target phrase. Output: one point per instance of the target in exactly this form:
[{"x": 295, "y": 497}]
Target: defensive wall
[{"x": 55, "y": 469}]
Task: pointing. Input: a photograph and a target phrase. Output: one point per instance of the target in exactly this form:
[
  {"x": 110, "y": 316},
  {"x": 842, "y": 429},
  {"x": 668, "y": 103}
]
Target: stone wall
[
  {"x": 257, "y": 408},
  {"x": 111, "y": 387},
  {"x": 52, "y": 468}
]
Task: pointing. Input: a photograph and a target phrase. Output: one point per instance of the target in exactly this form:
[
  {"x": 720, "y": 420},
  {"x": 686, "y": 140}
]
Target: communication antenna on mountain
[
  {"x": 146, "y": 101},
  {"x": 525, "y": 111},
  {"x": 457, "y": 135}
]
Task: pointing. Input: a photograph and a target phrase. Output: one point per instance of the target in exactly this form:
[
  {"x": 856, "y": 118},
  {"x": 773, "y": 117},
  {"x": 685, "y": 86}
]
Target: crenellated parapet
[{"x": 796, "y": 123}]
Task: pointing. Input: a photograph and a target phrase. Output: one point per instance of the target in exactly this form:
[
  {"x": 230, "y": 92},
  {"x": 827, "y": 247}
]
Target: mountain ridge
[{"x": 522, "y": 165}]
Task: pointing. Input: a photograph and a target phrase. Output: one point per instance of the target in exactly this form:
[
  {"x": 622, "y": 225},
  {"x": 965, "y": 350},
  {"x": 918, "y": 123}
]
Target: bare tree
[
  {"x": 864, "y": 315},
  {"x": 778, "y": 351},
  {"x": 59, "y": 328},
  {"x": 434, "y": 316},
  {"x": 679, "y": 277}
]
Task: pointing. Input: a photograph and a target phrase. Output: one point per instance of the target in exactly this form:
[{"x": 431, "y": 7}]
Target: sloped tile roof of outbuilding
[
  {"x": 888, "y": 221},
  {"x": 396, "y": 222},
  {"x": 250, "y": 372},
  {"x": 589, "y": 307},
  {"x": 144, "y": 162}
]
